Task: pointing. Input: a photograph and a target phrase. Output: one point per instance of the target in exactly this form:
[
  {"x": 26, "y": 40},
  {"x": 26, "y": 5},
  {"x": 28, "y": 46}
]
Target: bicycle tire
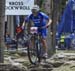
[
  {"x": 30, "y": 55},
  {"x": 38, "y": 50}
]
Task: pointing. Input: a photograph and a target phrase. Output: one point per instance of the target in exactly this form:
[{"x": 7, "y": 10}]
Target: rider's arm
[
  {"x": 23, "y": 25},
  {"x": 26, "y": 24},
  {"x": 49, "y": 22},
  {"x": 25, "y": 21}
]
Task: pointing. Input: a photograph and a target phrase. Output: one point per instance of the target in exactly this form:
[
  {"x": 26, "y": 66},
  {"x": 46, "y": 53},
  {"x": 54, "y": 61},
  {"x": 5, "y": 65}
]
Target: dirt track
[{"x": 61, "y": 61}]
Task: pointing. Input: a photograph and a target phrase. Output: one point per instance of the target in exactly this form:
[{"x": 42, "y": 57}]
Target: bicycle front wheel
[{"x": 33, "y": 53}]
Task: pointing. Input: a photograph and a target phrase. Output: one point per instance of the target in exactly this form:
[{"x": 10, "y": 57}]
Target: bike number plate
[{"x": 34, "y": 30}]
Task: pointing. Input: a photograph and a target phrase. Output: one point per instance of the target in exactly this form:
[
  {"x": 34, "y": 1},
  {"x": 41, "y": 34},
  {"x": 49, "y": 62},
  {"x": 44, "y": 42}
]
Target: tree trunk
[
  {"x": 55, "y": 7},
  {"x": 2, "y": 20}
]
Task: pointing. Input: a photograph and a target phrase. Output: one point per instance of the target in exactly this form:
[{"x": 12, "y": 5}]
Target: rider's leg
[{"x": 44, "y": 42}]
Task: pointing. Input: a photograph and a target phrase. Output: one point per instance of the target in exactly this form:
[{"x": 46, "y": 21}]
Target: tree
[
  {"x": 2, "y": 19},
  {"x": 55, "y": 14},
  {"x": 57, "y": 7}
]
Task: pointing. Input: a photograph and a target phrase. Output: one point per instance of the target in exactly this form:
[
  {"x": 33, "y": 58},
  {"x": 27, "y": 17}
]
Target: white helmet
[{"x": 36, "y": 7}]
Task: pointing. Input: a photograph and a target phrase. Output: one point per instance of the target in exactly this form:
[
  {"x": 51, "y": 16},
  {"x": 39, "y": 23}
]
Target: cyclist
[{"x": 40, "y": 19}]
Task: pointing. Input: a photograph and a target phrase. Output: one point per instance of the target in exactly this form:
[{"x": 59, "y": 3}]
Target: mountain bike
[{"x": 34, "y": 46}]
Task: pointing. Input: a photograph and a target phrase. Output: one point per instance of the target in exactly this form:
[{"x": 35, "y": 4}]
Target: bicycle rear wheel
[{"x": 33, "y": 53}]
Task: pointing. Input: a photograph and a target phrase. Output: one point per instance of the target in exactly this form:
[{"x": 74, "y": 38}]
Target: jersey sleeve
[
  {"x": 45, "y": 16},
  {"x": 27, "y": 19}
]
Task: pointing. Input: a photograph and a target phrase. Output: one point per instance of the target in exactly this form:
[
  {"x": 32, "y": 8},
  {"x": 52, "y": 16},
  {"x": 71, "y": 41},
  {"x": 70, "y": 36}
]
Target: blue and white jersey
[{"x": 39, "y": 20}]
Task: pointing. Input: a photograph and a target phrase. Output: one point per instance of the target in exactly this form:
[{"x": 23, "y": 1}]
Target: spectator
[{"x": 10, "y": 43}]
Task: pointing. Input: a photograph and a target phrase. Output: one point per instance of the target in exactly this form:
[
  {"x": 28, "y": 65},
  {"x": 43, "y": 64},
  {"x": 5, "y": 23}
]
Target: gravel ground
[{"x": 61, "y": 61}]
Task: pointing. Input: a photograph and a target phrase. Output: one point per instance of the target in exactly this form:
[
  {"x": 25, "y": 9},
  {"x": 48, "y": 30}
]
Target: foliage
[{"x": 41, "y": 2}]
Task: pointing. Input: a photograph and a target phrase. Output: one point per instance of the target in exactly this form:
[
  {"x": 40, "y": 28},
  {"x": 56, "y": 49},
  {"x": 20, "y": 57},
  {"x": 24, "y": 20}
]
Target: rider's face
[{"x": 34, "y": 11}]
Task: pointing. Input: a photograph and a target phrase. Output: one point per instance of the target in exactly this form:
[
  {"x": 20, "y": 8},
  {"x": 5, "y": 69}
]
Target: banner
[
  {"x": 18, "y": 7},
  {"x": 66, "y": 24},
  {"x": 74, "y": 6}
]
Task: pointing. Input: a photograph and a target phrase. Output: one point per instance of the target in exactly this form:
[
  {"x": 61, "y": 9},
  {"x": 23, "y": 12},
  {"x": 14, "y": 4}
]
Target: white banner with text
[{"x": 18, "y": 7}]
